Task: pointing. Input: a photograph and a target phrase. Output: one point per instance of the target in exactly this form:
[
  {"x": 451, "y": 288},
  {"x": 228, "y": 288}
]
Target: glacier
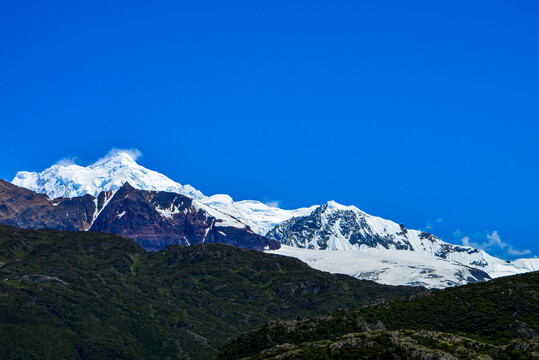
[
  {"x": 389, "y": 267},
  {"x": 108, "y": 174},
  {"x": 333, "y": 230}
]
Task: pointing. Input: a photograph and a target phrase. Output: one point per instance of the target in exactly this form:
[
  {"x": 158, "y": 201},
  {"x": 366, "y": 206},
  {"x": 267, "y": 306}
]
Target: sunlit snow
[{"x": 391, "y": 267}]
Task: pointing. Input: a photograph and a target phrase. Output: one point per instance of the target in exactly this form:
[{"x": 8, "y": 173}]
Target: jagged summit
[
  {"x": 111, "y": 172},
  {"x": 121, "y": 158},
  {"x": 155, "y": 219},
  {"x": 260, "y": 217},
  {"x": 333, "y": 226},
  {"x": 104, "y": 175},
  {"x": 333, "y": 205}
]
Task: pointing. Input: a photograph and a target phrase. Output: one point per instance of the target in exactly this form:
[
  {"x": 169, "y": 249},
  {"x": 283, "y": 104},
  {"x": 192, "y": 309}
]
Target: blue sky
[{"x": 425, "y": 113}]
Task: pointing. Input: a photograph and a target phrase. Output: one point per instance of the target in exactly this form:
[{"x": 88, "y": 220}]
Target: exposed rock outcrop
[{"x": 155, "y": 219}]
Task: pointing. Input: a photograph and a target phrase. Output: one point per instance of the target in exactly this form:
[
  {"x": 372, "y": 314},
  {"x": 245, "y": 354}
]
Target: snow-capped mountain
[
  {"x": 260, "y": 217},
  {"x": 390, "y": 267},
  {"x": 155, "y": 219},
  {"x": 337, "y": 227},
  {"x": 73, "y": 181},
  {"x": 331, "y": 237}
]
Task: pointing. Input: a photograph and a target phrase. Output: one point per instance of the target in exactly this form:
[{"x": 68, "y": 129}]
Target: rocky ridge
[
  {"x": 333, "y": 226},
  {"x": 71, "y": 181},
  {"x": 155, "y": 219}
]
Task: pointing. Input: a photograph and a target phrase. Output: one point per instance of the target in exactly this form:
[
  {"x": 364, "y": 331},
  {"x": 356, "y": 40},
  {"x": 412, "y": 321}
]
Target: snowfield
[
  {"x": 110, "y": 174},
  {"x": 336, "y": 228},
  {"x": 390, "y": 267}
]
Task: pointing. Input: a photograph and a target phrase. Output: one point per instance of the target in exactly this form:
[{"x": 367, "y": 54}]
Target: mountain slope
[
  {"x": 158, "y": 219},
  {"x": 398, "y": 345},
  {"x": 71, "y": 181},
  {"x": 501, "y": 315},
  {"x": 155, "y": 219},
  {"x": 92, "y": 295},
  {"x": 337, "y": 227},
  {"x": 109, "y": 174},
  {"x": 25, "y": 208},
  {"x": 390, "y": 267},
  {"x": 260, "y": 217},
  {"x": 328, "y": 227}
]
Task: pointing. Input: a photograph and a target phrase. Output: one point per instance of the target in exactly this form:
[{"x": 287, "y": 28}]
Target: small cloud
[
  {"x": 132, "y": 153},
  {"x": 72, "y": 160},
  {"x": 494, "y": 244},
  {"x": 515, "y": 252},
  {"x": 271, "y": 202},
  {"x": 495, "y": 240},
  {"x": 274, "y": 203},
  {"x": 466, "y": 241},
  {"x": 432, "y": 224}
]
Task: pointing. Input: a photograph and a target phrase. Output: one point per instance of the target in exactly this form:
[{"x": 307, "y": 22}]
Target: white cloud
[
  {"x": 494, "y": 244},
  {"x": 72, "y": 160},
  {"x": 132, "y": 153},
  {"x": 273, "y": 203},
  {"x": 495, "y": 240},
  {"x": 466, "y": 241},
  {"x": 432, "y": 224},
  {"x": 512, "y": 251}
]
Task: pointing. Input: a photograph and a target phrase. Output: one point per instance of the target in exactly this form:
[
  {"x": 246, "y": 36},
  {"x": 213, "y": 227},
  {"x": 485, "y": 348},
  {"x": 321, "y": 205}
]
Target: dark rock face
[
  {"x": 155, "y": 219},
  {"x": 314, "y": 231},
  {"x": 27, "y": 209}
]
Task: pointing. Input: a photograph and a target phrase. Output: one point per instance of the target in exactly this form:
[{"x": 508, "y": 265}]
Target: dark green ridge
[
  {"x": 72, "y": 295},
  {"x": 502, "y": 314},
  {"x": 402, "y": 344}
]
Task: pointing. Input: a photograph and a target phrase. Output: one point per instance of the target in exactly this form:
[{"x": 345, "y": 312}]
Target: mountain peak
[
  {"x": 106, "y": 174},
  {"x": 335, "y": 206},
  {"x": 121, "y": 158},
  {"x": 120, "y": 166}
]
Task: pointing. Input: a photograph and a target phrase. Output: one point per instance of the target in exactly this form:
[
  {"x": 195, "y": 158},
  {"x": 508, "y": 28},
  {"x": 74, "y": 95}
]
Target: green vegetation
[
  {"x": 501, "y": 316},
  {"x": 70, "y": 295},
  {"x": 400, "y": 345}
]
